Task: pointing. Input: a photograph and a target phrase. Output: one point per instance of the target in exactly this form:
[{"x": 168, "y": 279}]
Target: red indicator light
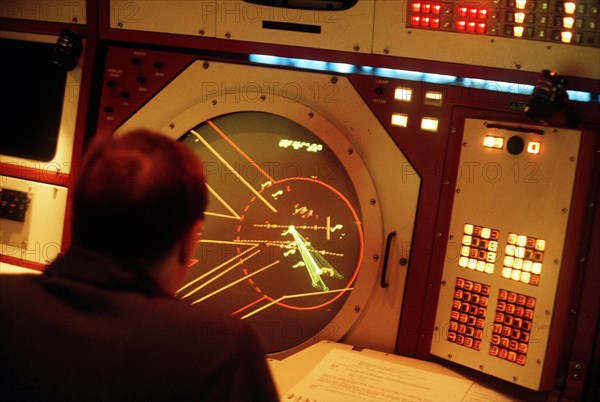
[
  {"x": 416, "y": 7},
  {"x": 426, "y": 8},
  {"x": 415, "y": 20},
  {"x": 471, "y": 26},
  {"x": 436, "y": 9},
  {"x": 434, "y": 23},
  {"x": 481, "y": 27},
  {"x": 462, "y": 11},
  {"x": 472, "y": 13},
  {"x": 425, "y": 21},
  {"x": 482, "y": 13},
  {"x": 461, "y": 25}
]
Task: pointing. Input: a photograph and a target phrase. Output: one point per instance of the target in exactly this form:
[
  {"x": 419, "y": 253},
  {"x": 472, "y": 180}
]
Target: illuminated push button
[
  {"x": 481, "y": 27},
  {"x": 519, "y": 252},
  {"x": 518, "y": 31},
  {"x": 540, "y": 244},
  {"x": 415, "y": 20},
  {"x": 533, "y": 147},
  {"x": 434, "y": 23},
  {"x": 434, "y": 97},
  {"x": 510, "y": 249},
  {"x": 468, "y": 229},
  {"x": 415, "y": 7},
  {"x": 566, "y": 36},
  {"x": 429, "y": 124},
  {"x": 462, "y": 11},
  {"x": 569, "y": 7},
  {"x": 518, "y": 263},
  {"x": 461, "y": 25},
  {"x": 491, "y": 142},
  {"x": 568, "y": 22},
  {"x": 520, "y": 4},
  {"x": 403, "y": 94},
  {"x": 519, "y": 17},
  {"x": 399, "y": 120}
]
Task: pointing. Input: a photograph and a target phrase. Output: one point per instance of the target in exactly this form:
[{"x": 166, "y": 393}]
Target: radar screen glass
[{"x": 282, "y": 241}]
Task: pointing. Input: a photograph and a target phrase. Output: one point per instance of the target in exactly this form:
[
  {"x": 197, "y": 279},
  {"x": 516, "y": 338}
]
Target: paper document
[{"x": 344, "y": 375}]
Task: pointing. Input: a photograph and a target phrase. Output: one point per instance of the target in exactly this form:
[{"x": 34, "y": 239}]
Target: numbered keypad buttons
[
  {"x": 512, "y": 326},
  {"x": 467, "y": 318}
]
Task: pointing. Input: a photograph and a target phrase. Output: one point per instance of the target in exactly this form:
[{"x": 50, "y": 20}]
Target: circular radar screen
[{"x": 282, "y": 241}]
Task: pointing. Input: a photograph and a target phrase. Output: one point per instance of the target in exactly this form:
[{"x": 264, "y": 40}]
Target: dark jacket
[{"x": 88, "y": 330}]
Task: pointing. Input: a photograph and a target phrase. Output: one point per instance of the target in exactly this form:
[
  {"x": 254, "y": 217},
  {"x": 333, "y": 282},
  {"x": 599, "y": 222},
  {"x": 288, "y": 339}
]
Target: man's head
[{"x": 137, "y": 196}]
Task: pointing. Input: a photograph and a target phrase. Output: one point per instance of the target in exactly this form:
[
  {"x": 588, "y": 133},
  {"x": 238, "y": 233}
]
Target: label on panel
[{"x": 505, "y": 246}]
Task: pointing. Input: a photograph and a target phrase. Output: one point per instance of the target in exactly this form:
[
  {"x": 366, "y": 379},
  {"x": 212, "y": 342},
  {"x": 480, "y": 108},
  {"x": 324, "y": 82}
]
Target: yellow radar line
[
  {"x": 239, "y": 176},
  {"x": 243, "y": 278},
  {"x": 218, "y": 267},
  {"x": 234, "y": 215},
  {"x": 293, "y": 297}
]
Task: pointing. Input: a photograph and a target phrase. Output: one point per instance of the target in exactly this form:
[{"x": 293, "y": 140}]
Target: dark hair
[{"x": 137, "y": 195}]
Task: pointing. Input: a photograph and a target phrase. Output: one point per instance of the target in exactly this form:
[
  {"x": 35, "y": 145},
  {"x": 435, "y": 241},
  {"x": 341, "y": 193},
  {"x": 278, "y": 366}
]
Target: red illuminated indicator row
[
  {"x": 427, "y": 15},
  {"x": 471, "y": 26},
  {"x": 472, "y": 12},
  {"x": 426, "y": 8},
  {"x": 415, "y": 21}
]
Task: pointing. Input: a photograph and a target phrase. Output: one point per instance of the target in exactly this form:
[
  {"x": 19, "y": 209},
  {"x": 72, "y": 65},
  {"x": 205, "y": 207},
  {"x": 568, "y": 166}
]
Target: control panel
[
  {"x": 525, "y": 35},
  {"x": 13, "y": 204},
  {"x": 131, "y": 77},
  {"x": 572, "y": 22},
  {"x": 504, "y": 252},
  {"x": 32, "y": 216}
]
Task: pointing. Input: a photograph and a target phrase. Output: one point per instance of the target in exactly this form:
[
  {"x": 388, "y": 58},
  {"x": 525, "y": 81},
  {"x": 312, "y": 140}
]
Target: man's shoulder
[
  {"x": 198, "y": 317},
  {"x": 13, "y": 285}
]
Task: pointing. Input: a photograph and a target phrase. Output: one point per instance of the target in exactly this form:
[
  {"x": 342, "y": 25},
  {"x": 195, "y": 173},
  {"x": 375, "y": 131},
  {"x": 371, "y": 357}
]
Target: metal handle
[{"x": 388, "y": 243}]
